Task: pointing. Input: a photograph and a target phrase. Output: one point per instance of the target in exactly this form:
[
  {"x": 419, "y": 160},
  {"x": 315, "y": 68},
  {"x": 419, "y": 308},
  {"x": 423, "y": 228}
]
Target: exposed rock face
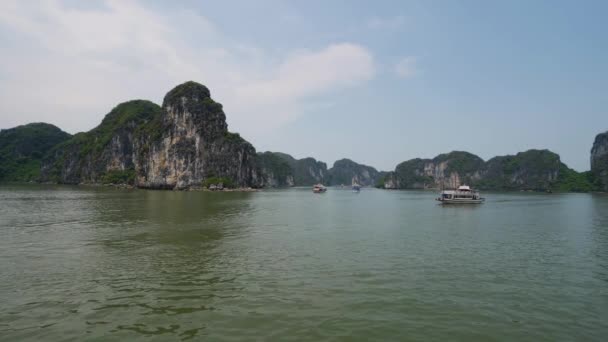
[
  {"x": 275, "y": 171},
  {"x": 599, "y": 160},
  {"x": 530, "y": 170},
  {"x": 306, "y": 171},
  {"x": 280, "y": 170},
  {"x": 446, "y": 170},
  {"x": 175, "y": 147},
  {"x": 347, "y": 172},
  {"x": 195, "y": 144}
]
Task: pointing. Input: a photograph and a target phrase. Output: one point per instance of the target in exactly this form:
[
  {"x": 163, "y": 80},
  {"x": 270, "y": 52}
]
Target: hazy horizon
[{"x": 376, "y": 83}]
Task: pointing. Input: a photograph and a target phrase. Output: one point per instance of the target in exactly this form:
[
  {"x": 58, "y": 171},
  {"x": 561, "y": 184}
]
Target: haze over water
[{"x": 93, "y": 263}]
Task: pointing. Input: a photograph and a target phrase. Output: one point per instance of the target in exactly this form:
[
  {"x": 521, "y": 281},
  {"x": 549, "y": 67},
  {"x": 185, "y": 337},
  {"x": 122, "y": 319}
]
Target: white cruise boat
[
  {"x": 319, "y": 189},
  {"x": 463, "y": 195}
]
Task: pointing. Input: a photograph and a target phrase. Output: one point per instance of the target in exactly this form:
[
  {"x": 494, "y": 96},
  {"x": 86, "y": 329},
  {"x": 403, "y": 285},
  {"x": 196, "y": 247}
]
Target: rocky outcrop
[
  {"x": 195, "y": 144},
  {"x": 280, "y": 170},
  {"x": 446, "y": 170},
  {"x": 175, "y": 146},
  {"x": 347, "y": 172},
  {"x": 599, "y": 161},
  {"x": 274, "y": 170},
  {"x": 531, "y": 170},
  {"x": 306, "y": 171}
]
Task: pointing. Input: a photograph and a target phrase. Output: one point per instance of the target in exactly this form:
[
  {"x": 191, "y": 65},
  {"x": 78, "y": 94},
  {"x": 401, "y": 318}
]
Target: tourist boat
[
  {"x": 356, "y": 187},
  {"x": 319, "y": 188},
  {"x": 463, "y": 195}
]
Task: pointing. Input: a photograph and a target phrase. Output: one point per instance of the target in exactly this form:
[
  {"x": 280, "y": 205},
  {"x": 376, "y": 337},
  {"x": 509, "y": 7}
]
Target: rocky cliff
[
  {"x": 306, "y": 171},
  {"x": 280, "y": 169},
  {"x": 274, "y": 170},
  {"x": 347, "y": 172},
  {"x": 23, "y": 147},
  {"x": 599, "y": 161},
  {"x": 446, "y": 170},
  {"x": 538, "y": 170},
  {"x": 175, "y": 146}
]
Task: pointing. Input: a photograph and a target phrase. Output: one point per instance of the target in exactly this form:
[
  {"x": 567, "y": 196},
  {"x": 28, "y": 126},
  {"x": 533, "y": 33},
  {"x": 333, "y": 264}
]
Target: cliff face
[
  {"x": 195, "y": 144},
  {"x": 347, "y": 172},
  {"x": 530, "y": 170},
  {"x": 279, "y": 170},
  {"x": 599, "y": 160},
  {"x": 23, "y": 147},
  {"x": 306, "y": 171},
  {"x": 174, "y": 147},
  {"x": 274, "y": 170},
  {"x": 108, "y": 148},
  {"x": 446, "y": 170}
]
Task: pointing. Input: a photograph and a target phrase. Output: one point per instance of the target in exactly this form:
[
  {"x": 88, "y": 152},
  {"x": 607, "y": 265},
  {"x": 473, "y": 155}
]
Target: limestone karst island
[{"x": 185, "y": 143}]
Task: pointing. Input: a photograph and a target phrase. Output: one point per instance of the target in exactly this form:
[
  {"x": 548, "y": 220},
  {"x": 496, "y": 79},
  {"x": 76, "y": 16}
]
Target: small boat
[
  {"x": 463, "y": 195},
  {"x": 319, "y": 188},
  {"x": 356, "y": 187}
]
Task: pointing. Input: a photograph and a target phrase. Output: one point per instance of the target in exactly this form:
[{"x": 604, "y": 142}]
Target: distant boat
[
  {"x": 463, "y": 195},
  {"x": 319, "y": 188},
  {"x": 356, "y": 187}
]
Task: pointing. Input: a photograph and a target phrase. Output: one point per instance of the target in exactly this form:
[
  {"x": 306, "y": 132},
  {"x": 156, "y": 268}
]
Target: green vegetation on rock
[
  {"x": 306, "y": 171},
  {"x": 119, "y": 177},
  {"x": 346, "y": 172},
  {"x": 409, "y": 175},
  {"x": 538, "y": 170},
  {"x": 275, "y": 168},
  {"x": 530, "y": 170},
  {"x": 572, "y": 181},
  {"x": 188, "y": 90},
  {"x": 233, "y": 137},
  {"x": 461, "y": 162},
  {"x": 380, "y": 182},
  {"x": 135, "y": 113},
  {"x": 139, "y": 118},
  {"x": 23, "y": 147}
]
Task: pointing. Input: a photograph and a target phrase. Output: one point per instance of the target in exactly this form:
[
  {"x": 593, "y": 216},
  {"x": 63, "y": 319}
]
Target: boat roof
[{"x": 462, "y": 188}]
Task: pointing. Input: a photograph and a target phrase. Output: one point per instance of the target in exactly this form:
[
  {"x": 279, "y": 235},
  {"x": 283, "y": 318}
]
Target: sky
[{"x": 377, "y": 82}]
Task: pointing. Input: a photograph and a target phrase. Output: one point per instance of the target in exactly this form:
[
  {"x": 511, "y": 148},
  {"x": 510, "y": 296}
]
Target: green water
[{"x": 99, "y": 264}]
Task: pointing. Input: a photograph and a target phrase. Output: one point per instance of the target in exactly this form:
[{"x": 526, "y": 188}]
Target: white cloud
[
  {"x": 389, "y": 23},
  {"x": 406, "y": 67},
  {"x": 69, "y": 66}
]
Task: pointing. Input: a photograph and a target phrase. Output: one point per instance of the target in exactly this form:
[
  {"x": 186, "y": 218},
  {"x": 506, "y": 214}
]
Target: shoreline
[{"x": 250, "y": 189}]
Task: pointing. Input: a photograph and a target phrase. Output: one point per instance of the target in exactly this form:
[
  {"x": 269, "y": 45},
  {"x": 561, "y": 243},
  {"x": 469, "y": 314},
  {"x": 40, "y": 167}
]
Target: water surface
[{"x": 86, "y": 263}]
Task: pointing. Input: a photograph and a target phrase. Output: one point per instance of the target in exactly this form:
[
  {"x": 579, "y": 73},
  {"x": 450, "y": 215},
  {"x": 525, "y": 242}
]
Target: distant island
[{"x": 185, "y": 143}]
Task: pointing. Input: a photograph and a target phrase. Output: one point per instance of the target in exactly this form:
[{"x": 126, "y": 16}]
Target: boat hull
[{"x": 460, "y": 201}]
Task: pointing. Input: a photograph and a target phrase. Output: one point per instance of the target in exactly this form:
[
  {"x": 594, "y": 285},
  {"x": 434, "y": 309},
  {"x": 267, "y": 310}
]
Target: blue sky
[{"x": 377, "y": 82}]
